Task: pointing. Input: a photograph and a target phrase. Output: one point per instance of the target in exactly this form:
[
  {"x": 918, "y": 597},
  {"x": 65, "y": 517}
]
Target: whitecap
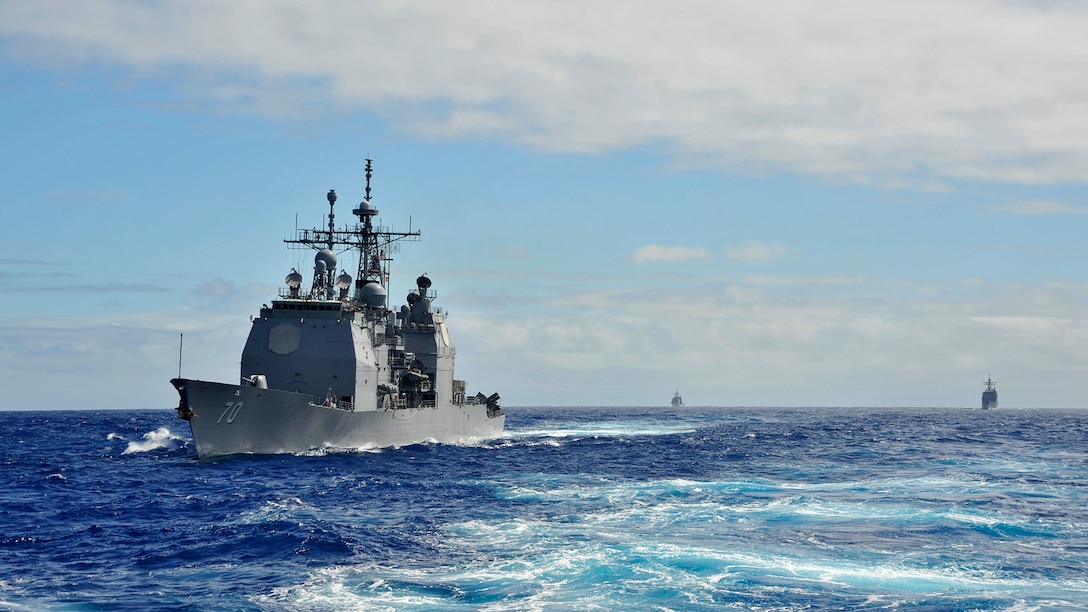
[
  {"x": 329, "y": 449},
  {"x": 160, "y": 438}
]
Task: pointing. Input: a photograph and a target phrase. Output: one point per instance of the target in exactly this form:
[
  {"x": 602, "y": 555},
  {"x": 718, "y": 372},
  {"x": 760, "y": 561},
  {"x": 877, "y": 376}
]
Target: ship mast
[
  {"x": 370, "y": 258},
  {"x": 373, "y": 243}
]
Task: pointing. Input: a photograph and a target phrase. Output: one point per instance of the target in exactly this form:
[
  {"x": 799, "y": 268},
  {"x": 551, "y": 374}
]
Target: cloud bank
[{"x": 883, "y": 92}]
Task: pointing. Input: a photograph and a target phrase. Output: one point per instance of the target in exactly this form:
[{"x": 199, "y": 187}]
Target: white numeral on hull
[{"x": 230, "y": 412}]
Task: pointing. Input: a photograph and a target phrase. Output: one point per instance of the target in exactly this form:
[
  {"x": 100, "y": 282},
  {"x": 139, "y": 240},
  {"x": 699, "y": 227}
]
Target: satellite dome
[
  {"x": 374, "y": 295},
  {"x": 365, "y": 209},
  {"x": 327, "y": 257}
]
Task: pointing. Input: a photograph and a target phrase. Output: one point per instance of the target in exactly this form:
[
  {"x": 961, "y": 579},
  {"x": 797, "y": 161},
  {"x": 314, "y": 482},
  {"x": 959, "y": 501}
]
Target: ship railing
[
  {"x": 462, "y": 399},
  {"x": 401, "y": 403},
  {"x": 338, "y": 404}
]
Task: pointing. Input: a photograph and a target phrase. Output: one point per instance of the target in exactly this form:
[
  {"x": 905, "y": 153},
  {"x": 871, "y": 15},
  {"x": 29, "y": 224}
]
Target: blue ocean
[{"x": 574, "y": 509}]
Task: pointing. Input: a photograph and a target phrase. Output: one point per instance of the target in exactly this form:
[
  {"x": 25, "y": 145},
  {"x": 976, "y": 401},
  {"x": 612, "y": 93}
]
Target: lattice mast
[{"x": 373, "y": 244}]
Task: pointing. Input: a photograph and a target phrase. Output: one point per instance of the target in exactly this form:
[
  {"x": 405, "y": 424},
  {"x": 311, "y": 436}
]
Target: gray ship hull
[{"x": 231, "y": 419}]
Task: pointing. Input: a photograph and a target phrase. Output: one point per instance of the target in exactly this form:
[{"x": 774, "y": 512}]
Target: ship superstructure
[
  {"x": 989, "y": 395},
  {"x": 334, "y": 366}
]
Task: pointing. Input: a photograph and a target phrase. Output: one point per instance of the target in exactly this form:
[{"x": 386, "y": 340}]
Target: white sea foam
[
  {"x": 327, "y": 449},
  {"x": 539, "y": 570},
  {"x": 605, "y": 429},
  {"x": 541, "y": 544},
  {"x": 12, "y": 605},
  {"x": 663, "y": 541},
  {"x": 160, "y": 438},
  {"x": 291, "y": 509}
]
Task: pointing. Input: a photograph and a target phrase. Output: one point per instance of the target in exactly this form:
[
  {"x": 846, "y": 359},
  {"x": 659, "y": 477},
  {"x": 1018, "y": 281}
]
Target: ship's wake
[{"x": 621, "y": 429}]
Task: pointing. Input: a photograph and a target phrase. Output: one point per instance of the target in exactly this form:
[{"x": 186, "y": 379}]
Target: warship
[
  {"x": 677, "y": 401},
  {"x": 335, "y": 367},
  {"x": 989, "y": 396}
]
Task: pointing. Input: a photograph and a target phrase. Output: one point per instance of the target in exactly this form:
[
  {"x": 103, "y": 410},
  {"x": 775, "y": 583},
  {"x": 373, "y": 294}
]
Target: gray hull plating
[{"x": 230, "y": 419}]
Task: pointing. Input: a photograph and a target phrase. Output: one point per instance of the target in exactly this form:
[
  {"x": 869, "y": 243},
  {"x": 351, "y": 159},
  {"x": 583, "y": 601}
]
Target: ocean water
[{"x": 574, "y": 509}]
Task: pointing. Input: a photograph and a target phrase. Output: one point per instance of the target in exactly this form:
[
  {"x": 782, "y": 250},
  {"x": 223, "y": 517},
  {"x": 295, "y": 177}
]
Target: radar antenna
[{"x": 373, "y": 244}]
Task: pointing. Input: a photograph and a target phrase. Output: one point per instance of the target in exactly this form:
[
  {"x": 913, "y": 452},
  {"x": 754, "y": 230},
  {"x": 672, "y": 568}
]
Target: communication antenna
[
  {"x": 369, "y": 168},
  {"x": 181, "y": 343}
]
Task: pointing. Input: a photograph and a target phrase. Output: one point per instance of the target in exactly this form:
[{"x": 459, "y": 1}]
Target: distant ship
[
  {"x": 331, "y": 368},
  {"x": 989, "y": 396},
  {"x": 677, "y": 401}
]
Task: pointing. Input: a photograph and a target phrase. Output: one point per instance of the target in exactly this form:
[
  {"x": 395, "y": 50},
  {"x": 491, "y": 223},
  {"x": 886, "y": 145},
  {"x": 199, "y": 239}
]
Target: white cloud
[
  {"x": 763, "y": 279},
  {"x": 107, "y": 361},
  {"x": 1030, "y": 324},
  {"x": 751, "y": 250},
  {"x": 657, "y": 252},
  {"x": 746, "y": 346},
  {"x": 741, "y": 344},
  {"x": 880, "y": 91},
  {"x": 1041, "y": 207}
]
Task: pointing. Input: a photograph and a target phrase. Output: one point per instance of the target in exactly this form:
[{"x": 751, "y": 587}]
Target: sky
[{"x": 777, "y": 203}]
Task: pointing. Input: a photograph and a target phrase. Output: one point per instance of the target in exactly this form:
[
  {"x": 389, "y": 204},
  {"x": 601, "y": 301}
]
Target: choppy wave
[
  {"x": 572, "y": 509},
  {"x": 153, "y": 440}
]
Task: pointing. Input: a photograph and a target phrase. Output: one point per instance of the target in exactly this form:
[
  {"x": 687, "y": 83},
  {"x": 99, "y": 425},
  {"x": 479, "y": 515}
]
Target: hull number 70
[{"x": 230, "y": 412}]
